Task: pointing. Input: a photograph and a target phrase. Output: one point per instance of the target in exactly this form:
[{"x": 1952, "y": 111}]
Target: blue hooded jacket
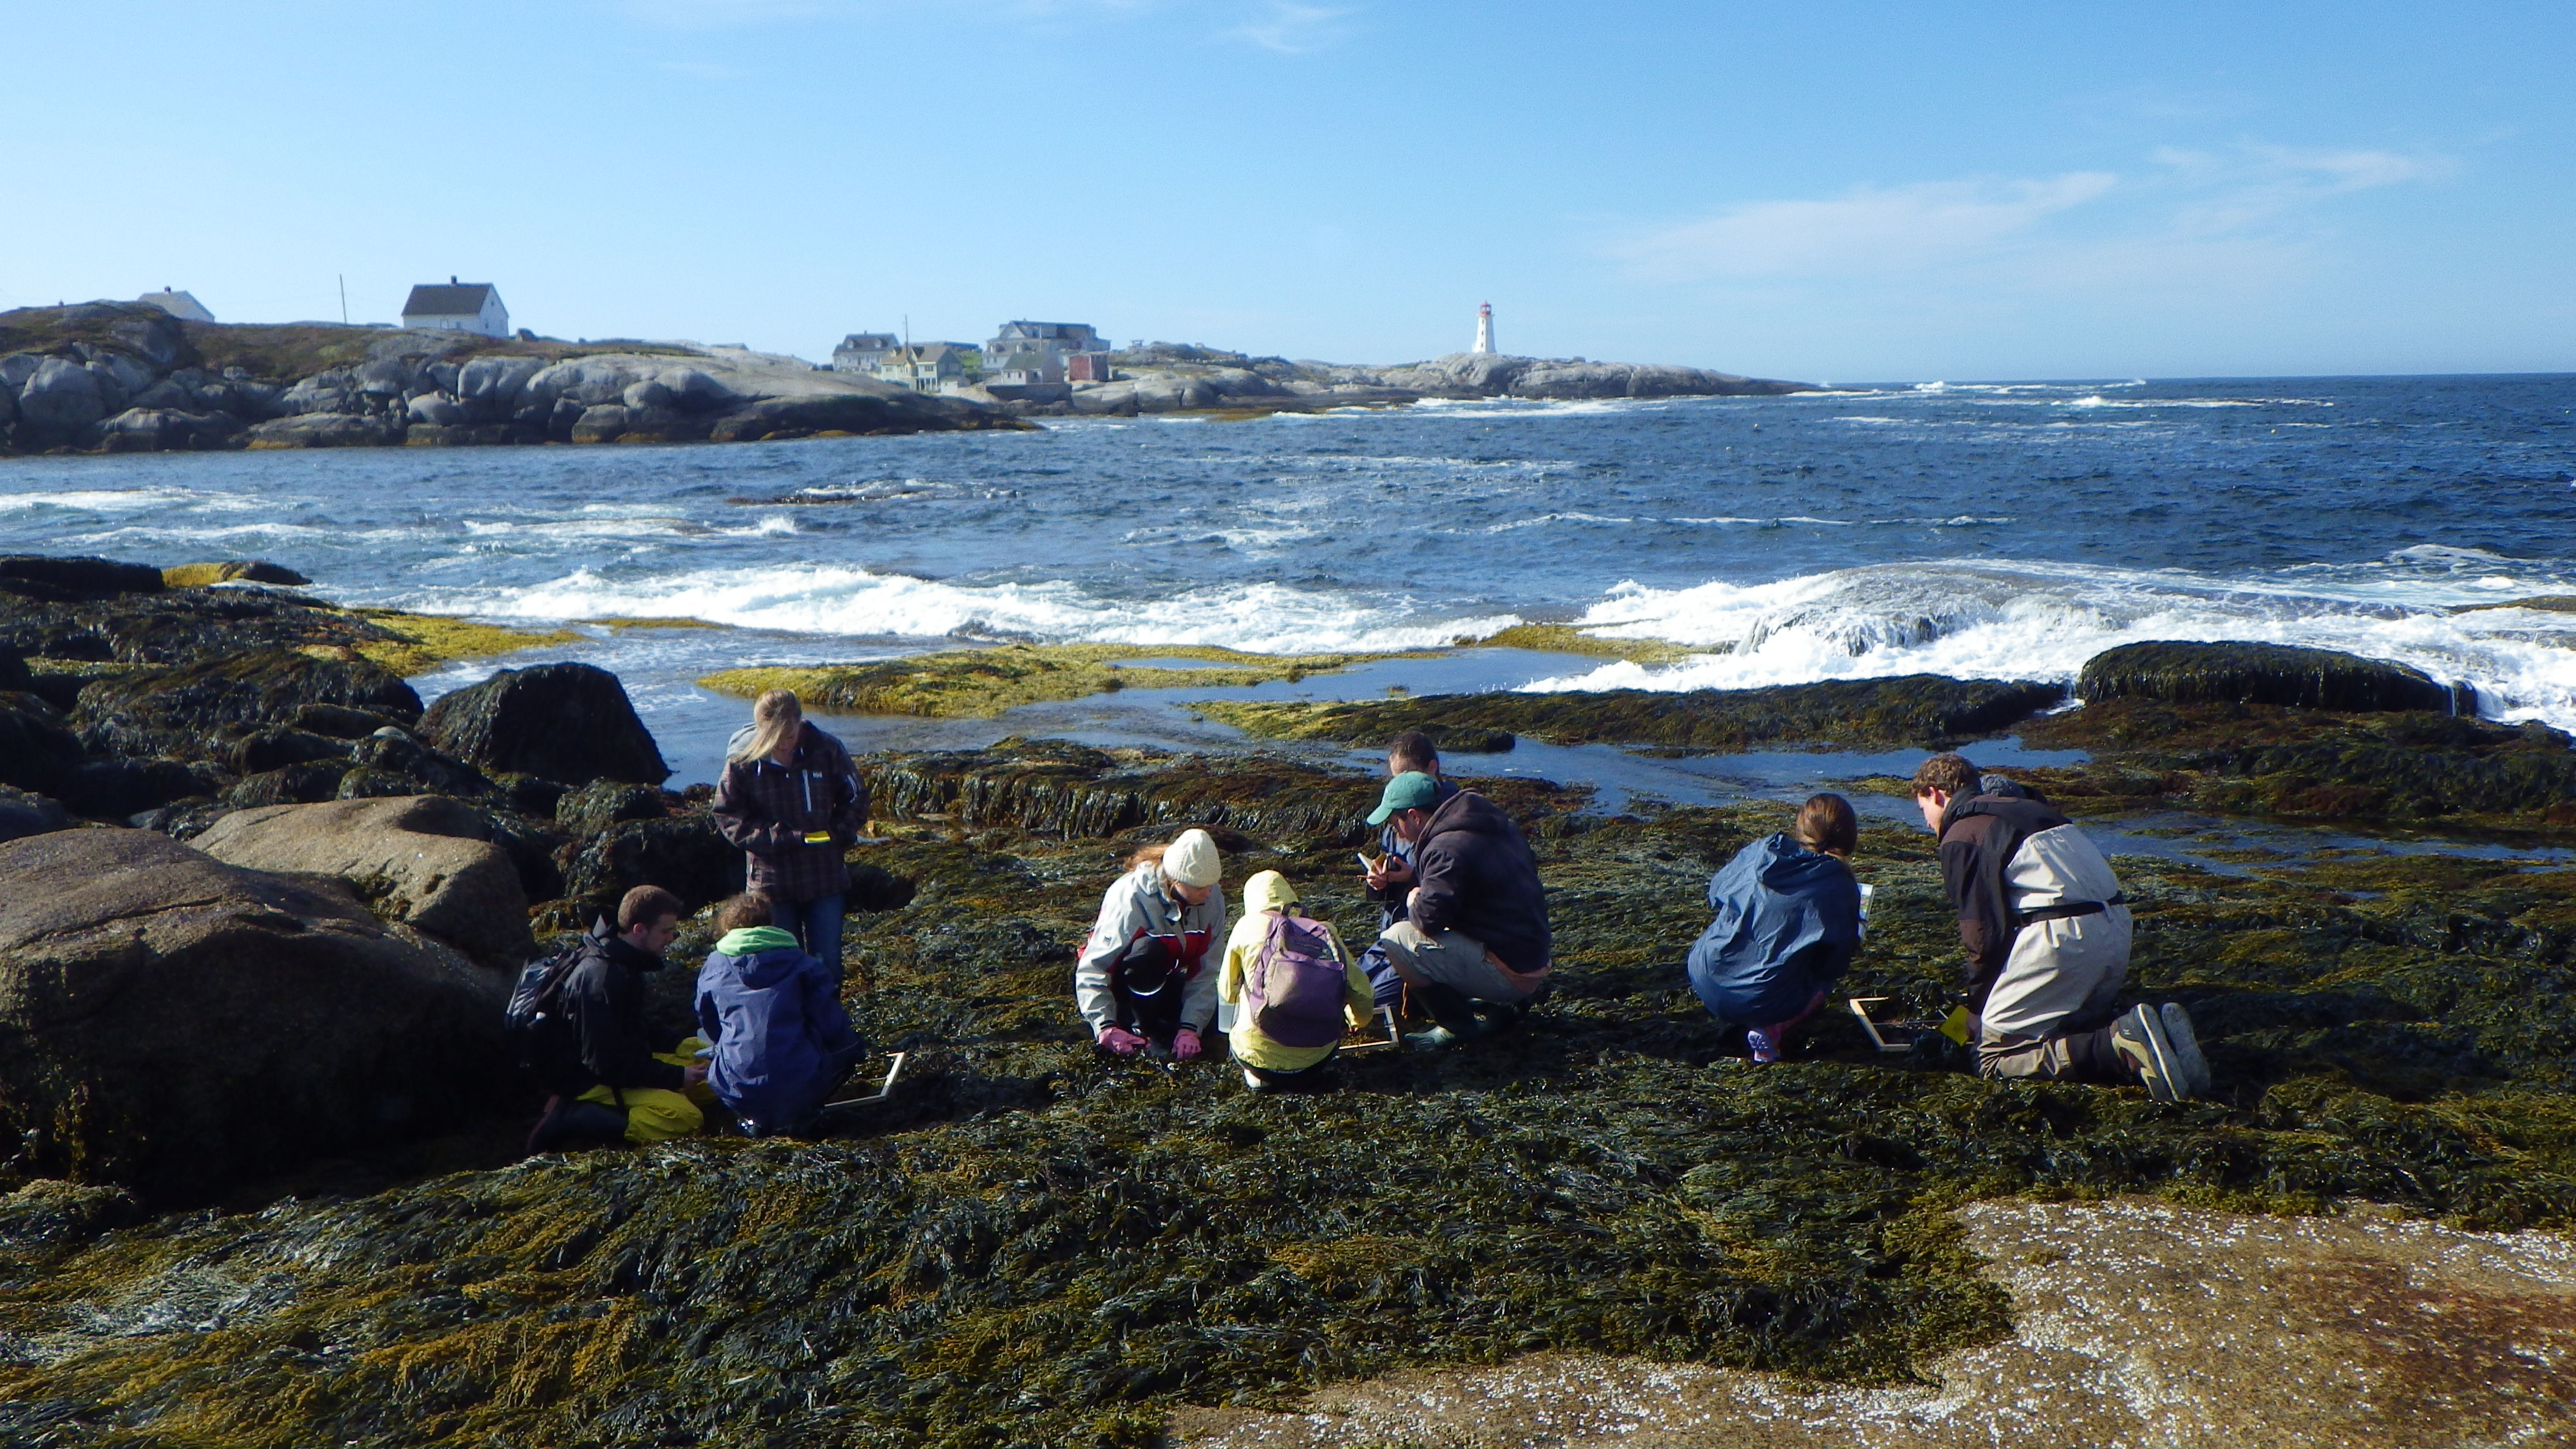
[
  {"x": 1788, "y": 920},
  {"x": 781, "y": 1036}
]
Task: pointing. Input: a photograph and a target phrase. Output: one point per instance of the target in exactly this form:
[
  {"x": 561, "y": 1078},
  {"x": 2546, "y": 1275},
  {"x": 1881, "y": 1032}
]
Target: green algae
[
  {"x": 1570, "y": 639},
  {"x": 1922, "y": 709},
  {"x": 1035, "y": 1246},
  {"x": 418, "y": 643},
  {"x": 981, "y": 683}
]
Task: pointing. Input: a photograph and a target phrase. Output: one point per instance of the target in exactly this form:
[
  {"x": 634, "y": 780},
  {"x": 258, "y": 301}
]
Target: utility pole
[{"x": 344, "y": 299}]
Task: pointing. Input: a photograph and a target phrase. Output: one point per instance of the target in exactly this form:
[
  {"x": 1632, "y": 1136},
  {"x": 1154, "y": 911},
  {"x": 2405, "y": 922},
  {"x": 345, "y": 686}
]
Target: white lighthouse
[{"x": 1484, "y": 328}]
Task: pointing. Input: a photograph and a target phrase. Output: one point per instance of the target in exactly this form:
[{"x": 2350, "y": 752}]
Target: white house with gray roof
[{"x": 457, "y": 307}]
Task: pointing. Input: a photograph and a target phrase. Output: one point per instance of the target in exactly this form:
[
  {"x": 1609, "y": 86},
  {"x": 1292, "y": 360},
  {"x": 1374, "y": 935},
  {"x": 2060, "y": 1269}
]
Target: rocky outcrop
[
  {"x": 2195, "y": 673},
  {"x": 38, "y": 751},
  {"x": 426, "y": 861},
  {"x": 566, "y": 722},
  {"x": 50, "y": 580},
  {"x": 245, "y": 571},
  {"x": 1474, "y": 375},
  {"x": 174, "y": 1024},
  {"x": 119, "y": 377}
]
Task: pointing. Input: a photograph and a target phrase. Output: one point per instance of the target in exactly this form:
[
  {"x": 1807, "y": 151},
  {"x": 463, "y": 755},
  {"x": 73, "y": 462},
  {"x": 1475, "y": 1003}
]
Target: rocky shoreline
[
  {"x": 261, "y": 1190},
  {"x": 110, "y": 377}
]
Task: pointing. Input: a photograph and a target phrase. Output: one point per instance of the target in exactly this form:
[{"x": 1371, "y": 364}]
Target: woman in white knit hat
[{"x": 1145, "y": 973}]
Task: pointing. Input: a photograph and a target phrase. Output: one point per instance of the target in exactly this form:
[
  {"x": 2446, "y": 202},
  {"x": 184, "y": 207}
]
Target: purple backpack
[{"x": 1296, "y": 986}]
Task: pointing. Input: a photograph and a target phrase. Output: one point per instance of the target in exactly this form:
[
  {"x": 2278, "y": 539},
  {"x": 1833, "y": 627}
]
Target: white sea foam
[
  {"x": 2043, "y": 622},
  {"x": 831, "y": 600}
]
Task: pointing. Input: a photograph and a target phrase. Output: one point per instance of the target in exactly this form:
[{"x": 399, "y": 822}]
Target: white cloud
[
  {"x": 1294, "y": 29},
  {"x": 1868, "y": 228},
  {"x": 2234, "y": 213}
]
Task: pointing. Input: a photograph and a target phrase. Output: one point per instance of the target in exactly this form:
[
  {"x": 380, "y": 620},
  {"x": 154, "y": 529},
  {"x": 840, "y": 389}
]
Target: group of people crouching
[
  {"x": 1464, "y": 939},
  {"x": 1465, "y": 936}
]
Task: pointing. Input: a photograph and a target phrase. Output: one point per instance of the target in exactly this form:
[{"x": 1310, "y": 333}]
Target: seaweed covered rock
[
  {"x": 181, "y": 626},
  {"x": 426, "y": 861},
  {"x": 200, "y": 709},
  {"x": 394, "y": 762},
  {"x": 2283, "y": 674},
  {"x": 603, "y": 803},
  {"x": 118, "y": 789},
  {"x": 174, "y": 1024},
  {"x": 1928, "y": 711},
  {"x": 567, "y": 722},
  {"x": 249, "y": 571},
  {"x": 38, "y": 751},
  {"x": 2267, "y": 759},
  {"x": 1070, "y": 790},
  {"x": 53, "y": 580},
  {"x": 1033, "y": 1246},
  {"x": 683, "y": 854}
]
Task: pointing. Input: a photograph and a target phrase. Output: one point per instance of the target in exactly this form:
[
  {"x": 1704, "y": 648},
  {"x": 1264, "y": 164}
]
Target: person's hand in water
[
  {"x": 1119, "y": 1041},
  {"x": 1185, "y": 1045}
]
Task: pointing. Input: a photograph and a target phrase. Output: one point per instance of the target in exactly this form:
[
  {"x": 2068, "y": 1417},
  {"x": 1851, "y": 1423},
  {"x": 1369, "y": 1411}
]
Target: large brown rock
[
  {"x": 175, "y": 1024},
  {"x": 424, "y": 860}
]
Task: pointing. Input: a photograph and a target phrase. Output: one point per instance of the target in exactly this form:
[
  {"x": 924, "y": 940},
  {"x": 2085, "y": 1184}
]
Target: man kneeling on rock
[
  {"x": 642, "y": 1073},
  {"x": 2048, "y": 942},
  {"x": 1474, "y": 945}
]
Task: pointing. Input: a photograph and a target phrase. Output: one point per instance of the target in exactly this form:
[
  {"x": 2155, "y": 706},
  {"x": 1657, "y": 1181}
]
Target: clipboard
[
  {"x": 1385, "y": 1018},
  {"x": 884, "y": 1089}
]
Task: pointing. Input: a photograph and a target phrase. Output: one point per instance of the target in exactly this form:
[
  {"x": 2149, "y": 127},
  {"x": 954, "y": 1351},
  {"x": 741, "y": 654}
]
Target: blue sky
[{"x": 1839, "y": 192}]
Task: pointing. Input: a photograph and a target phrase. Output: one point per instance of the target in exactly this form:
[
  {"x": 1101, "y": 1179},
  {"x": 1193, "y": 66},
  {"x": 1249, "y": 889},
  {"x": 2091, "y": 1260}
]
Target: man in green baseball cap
[{"x": 1475, "y": 944}]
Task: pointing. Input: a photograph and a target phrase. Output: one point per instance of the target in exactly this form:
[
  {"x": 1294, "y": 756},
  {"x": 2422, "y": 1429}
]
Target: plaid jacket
[{"x": 769, "y": 809}]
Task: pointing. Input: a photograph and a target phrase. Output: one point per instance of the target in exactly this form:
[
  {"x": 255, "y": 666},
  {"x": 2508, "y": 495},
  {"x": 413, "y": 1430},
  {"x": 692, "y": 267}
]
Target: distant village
[{"x": 1024, "y": 361}]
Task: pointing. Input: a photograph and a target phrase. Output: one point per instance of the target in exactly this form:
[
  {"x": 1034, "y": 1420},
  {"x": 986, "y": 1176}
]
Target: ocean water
[{"x": 2010, "y": 529}]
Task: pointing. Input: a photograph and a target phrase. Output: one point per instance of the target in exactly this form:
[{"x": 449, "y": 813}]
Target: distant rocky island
[{"x": 113, "y": 377}]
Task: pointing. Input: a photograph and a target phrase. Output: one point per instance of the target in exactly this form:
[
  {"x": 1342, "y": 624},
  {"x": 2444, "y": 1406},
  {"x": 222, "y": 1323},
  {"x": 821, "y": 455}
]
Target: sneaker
[
  {"x": 2139, "y": 1039},
  {"x": 2186, "y": 1048},
  {"x": 1765, "y": 1042},
  {"x": 1435, "y": 1039},
  {"x": 1252, "y": 1083}
]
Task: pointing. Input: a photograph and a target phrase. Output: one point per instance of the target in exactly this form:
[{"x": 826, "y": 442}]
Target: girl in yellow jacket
[{"x": 1270, "y": 1065}]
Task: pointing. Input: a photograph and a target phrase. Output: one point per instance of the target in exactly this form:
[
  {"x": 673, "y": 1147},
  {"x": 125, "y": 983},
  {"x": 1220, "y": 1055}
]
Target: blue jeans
[{"x": 816, "y": 925}]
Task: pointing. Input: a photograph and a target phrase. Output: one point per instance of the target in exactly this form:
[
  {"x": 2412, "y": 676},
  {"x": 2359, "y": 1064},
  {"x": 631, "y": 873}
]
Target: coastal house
[
  {"x": 862, "y": 351},
  {"x": 1025, "y": 369},
  {"x": 457, "y": 307},
  {"x": 177, "y": 304},
  {"x": 1017, "y": 337},
  {"x": 1086, "y": 367},
  {"x": 924, "y": 367}
]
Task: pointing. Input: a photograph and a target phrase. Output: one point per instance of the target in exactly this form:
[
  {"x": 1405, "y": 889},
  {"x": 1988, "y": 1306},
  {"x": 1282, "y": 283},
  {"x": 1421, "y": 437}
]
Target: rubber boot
[
  {"x": 571, "y": 1125},
  {"x": 1453, "y": 1010}
]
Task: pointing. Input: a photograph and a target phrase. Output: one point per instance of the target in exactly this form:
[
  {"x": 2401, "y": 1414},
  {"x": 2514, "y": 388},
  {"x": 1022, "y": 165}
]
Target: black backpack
[{"x": 541, "y": 1031}]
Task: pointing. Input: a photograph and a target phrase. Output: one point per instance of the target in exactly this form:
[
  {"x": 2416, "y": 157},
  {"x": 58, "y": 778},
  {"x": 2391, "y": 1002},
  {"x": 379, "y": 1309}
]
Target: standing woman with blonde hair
[{"x": 791, "y": 799}]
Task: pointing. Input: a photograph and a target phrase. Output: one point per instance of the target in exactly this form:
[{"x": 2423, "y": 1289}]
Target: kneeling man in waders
[{"x": 2048, "y": 943}]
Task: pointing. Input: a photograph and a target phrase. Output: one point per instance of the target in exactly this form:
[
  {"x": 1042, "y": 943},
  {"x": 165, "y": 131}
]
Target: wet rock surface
[
  {"x": 2135, "y": 1322},
  {"x": 1036, "y": 1246}
]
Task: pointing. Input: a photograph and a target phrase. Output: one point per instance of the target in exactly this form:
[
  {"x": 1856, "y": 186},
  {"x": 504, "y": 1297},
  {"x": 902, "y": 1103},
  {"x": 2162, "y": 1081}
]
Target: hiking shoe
[
  {"x": 1252, "y": 1083},
  {"x": 2186, "y": 1048},
  {"x": 2139, "y": 1039},
  {"x": 1765, "y": 1042}
]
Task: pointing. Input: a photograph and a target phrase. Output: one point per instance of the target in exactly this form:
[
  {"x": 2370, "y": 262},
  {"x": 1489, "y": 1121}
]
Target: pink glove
[
  {"x": 1125, "y": 1043},
  {"x": 1185, "y": 1045}
]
